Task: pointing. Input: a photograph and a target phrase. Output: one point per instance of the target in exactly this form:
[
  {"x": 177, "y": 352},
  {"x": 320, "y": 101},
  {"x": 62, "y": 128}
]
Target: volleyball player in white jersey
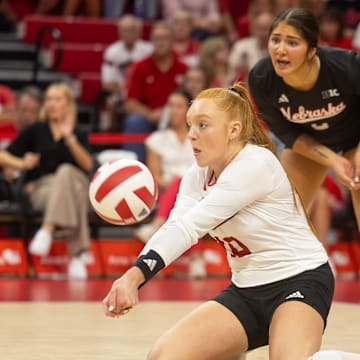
[{"x": 239, "y": 195}]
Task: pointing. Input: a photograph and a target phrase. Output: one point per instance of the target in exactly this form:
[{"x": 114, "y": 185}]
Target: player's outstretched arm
[{"x": 123, "y": 294}]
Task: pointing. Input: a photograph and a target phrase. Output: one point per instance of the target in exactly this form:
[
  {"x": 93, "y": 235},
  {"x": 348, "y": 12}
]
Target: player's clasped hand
[
  {"x": 346, "y": 173},
  {"x": 123, "y": 295}
]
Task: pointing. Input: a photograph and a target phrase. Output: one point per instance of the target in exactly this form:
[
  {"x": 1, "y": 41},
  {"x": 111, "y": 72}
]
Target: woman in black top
[
  {"x": 310, "y": 99},
  {"x": 59, "y": 184}
]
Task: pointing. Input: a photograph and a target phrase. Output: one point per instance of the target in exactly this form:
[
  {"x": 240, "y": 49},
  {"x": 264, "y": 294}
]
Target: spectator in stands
[
  {"x": 150, "y": 82},
  {"x": 7, "y": 104},
  {"x": 213, "y": 58},
  {"x": 184, "y": 45},
  {"x": 246, "y": 52},
  {"x": 205, "y": 15},
  {"x": 168, "y": 155},
  {"x": 195, "y": 80},
  {"x": 70, "y": 7},
  {"x": 231, "y": 10},
  {"x": 146, "y": 9},
  {"x": 58, "y": 186},
  {"x": 27, "y": 111},
  {"x": 117, "y": 57},
  {"x": 316, "y": 7},
  {"x": 331, "y": 26},
  {"x": 27, "y": 162},
  {"x": 356, "y": 39},
  {"x": 28, "y": 105},
  {"x": 7, "y": 18},
  {"x": 351, "y": 10}
]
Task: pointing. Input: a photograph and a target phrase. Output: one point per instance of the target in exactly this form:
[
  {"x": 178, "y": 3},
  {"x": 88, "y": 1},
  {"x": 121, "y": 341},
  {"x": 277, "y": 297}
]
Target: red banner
[
  {"x": 58, "y": 259},
  {"x": 13, "y": 258}
]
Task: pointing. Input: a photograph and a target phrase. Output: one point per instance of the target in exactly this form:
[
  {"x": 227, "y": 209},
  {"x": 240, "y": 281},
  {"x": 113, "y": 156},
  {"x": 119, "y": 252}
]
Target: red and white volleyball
[{"x": 123, "y": 192}]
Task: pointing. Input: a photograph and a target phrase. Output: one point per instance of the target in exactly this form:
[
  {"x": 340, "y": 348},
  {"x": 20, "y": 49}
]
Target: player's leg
[
  {"x": 209, "y": 332},
  {"x": 305, "y": 174},
  {"x": 296, "y": 331},
  {"x": 301, "y": 311},
  {"x": 355, "y": 195}
]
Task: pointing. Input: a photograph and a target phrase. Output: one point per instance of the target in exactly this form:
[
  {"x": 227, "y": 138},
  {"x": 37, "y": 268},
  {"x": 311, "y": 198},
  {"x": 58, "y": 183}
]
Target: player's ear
[
  {"x": 312, "y": 53},
  {"x": 235, "y": 129}
]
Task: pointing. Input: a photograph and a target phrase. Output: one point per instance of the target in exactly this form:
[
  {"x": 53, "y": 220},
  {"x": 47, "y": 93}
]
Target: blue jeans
[
  {"x": 134, "y": 124},
  {"x": 146, "y": 9}
]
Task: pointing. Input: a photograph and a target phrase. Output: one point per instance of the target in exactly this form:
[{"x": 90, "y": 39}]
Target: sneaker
[
  {"x": 41, "y": 243},
  {"x": 77, "y": 269},
  {"x": 197, "y": 268}
]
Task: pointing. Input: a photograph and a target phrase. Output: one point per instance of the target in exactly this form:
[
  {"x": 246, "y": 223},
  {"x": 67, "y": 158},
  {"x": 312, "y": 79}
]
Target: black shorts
[{"x": 255, "y": 306}]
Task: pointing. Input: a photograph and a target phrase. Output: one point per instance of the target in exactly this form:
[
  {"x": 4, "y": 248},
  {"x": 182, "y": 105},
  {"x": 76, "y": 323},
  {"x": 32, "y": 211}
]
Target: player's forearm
[
  {"x": 11, "y": 160},
  {"x": 310, "y": 148},
  {"x": 80, "y": 154}
]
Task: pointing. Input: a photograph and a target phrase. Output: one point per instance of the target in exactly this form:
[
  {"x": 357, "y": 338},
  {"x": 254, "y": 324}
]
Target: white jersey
[
  {"x": 176, "y": 156},
  {"x": 117, "y": 58},
  {"x": 251, "y": 211}
]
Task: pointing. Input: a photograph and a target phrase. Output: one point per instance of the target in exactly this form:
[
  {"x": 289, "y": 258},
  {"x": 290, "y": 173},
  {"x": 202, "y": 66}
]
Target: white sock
[{"x": 334, "y": 355}]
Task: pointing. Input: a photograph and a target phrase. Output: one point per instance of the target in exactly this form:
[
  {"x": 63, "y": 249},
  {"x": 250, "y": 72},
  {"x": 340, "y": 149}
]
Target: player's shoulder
[
  {"x": 114, "y": 48},
  {"x": 262, "y": 75},
  {"x": 338, "y": 59},
  {"x": 263, "y": 68},
  {"x": 254, "y": 159},
  {"x": 144, "y": 44}
]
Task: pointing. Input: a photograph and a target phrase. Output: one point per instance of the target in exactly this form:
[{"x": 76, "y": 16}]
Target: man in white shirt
[
  {"x": 117, "y": 57},
  {"x": 246, "y": 52}
]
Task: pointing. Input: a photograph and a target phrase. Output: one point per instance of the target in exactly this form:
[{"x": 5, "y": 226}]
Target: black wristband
[{"x": 150, "y": 264}]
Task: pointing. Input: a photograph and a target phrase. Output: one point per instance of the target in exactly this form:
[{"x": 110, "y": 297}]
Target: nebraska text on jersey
[{"x": 303, "y": 115}]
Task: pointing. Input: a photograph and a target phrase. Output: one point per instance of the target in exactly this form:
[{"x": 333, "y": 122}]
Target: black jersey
[
  {"x": 37, "y": 138},
  {"x": 329, "y": 112}
]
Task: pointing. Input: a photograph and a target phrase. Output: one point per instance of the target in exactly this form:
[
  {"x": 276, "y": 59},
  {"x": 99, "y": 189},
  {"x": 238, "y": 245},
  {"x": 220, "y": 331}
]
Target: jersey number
[{"x": 232, "y": 245}]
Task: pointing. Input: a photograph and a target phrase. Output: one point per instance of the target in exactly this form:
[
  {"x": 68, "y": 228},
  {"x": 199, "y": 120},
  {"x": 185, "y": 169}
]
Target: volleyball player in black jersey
[{"x": 310, "y": 99}]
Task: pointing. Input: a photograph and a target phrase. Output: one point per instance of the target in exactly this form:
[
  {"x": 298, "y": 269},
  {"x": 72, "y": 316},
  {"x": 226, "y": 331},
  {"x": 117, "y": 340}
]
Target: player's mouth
[
  {"x": 196, "y": 151},
  {"x": 282, "y": 64}
]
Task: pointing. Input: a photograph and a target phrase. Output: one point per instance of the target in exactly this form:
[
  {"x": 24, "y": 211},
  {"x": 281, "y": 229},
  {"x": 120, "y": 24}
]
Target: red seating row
[
  {"x": 77, "y": 58},
  {"x": 89, "y": 87},
  {"x": 77, "y": 29}
]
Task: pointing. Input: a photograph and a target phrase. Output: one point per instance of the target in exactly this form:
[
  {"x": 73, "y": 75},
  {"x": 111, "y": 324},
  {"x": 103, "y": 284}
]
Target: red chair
[{"x": 77, "y": 58}]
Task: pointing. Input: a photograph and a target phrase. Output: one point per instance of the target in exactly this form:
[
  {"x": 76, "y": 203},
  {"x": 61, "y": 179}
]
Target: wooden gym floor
[{"x": 49, "y": 319}]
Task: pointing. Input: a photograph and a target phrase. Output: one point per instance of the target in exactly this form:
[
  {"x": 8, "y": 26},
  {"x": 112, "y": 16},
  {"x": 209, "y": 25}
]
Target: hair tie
[{"x": 234, "y": 90}]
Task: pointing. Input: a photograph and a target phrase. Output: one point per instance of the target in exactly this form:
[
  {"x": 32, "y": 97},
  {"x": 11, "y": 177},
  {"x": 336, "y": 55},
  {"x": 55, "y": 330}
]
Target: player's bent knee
[
  {"x": 156, "y": 353},
  {"x": 326, "y": 355}
]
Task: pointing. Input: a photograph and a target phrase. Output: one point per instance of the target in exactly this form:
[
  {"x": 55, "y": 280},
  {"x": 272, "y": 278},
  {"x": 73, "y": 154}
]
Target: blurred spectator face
[
  {"x": 195, "y": 81},
  {"x": 181, "y": 25},
  {"x": 27, "y": 111},
  {"x": 56, "y": 104},
  {"x": 329, "y": 30},
  {"x": 261, "y": 26},
  {"x": 178, "y": 106},
  {"x": 130, "y": 29},
  {"x": 330, "y": 27},
  {"x": 221, "y": 55},
  {"x": 317, "y": 7},
  {"x": 161, "y": 38}
]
